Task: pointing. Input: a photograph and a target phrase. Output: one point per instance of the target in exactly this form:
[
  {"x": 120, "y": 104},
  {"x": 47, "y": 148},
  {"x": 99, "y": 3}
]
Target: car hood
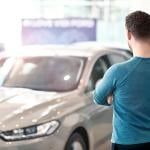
[{"x": 24, "y": 107}]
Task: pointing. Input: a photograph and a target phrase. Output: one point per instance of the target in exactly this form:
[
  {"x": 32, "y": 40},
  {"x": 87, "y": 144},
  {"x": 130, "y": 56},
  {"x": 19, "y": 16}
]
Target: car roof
[{"x": 58, "y": 50}]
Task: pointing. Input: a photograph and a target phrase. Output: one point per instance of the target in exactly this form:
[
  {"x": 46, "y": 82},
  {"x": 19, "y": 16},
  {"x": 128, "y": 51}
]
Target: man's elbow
[
  {"x": 96, "y": 101},
  {"x": 99, "y": 101}
]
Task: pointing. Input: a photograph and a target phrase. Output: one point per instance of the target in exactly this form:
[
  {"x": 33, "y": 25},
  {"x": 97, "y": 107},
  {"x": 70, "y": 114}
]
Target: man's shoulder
[{"x": 124, "y": 64}]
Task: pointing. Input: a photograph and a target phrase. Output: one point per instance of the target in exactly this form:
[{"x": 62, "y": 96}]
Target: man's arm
[{"x": 105, "y": 87}]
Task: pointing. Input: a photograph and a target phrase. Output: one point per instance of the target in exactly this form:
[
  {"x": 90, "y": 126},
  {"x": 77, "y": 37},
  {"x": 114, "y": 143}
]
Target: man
[{"x": 130, "y": 84}]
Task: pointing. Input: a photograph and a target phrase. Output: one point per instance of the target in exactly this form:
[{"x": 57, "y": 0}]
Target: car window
[
  {"x": 101, "y": 66},
  {"x": 98, "y": 71},
  {"x": 116, "y": 58}
]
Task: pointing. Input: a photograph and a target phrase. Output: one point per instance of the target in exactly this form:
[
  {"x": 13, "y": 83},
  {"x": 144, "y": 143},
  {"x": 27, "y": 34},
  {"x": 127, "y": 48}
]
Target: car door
[{"x": 102, "y": 115}]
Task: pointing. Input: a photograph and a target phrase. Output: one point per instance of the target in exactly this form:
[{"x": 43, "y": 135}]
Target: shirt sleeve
[{"x": 105, "y": 87}]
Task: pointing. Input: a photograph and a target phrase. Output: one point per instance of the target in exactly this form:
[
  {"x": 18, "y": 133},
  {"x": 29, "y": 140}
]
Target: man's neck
[{"x": 141, "y": 49}]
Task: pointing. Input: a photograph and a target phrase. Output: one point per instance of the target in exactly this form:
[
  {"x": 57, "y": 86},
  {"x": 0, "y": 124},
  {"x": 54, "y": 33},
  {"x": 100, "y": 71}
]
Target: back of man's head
[{"x": 138, "y": 23}]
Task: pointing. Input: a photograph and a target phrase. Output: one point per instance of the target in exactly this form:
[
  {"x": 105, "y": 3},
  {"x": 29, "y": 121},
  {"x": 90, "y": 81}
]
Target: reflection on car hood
[{"x": 23, "y": 107}]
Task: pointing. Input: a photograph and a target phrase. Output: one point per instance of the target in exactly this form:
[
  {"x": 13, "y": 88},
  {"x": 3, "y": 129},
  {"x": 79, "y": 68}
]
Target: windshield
[{"x": 45, "y": 73}]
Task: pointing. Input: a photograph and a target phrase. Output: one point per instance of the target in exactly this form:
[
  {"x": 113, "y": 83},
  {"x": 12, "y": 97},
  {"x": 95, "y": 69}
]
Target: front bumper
[{"x": 43, "y": 143}]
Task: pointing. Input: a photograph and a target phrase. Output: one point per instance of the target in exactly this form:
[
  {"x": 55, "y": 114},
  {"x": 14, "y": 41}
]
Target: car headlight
[{"x": 30, "y": 132}]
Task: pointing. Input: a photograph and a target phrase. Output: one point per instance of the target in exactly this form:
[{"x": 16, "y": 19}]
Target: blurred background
[
  {"x": 42, "y": 80},
  {"x": 26, "y": 22}
]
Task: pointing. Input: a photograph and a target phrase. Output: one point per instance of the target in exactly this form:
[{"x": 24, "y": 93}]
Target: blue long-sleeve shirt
[{"x": 130, "y": 84}]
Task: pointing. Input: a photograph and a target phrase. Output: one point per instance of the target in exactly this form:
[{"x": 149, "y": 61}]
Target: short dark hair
[{"x": 138, "y": 23}]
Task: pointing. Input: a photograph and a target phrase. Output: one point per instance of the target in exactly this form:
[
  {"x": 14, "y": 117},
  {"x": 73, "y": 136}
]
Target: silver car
[{"x": 45, "y": 99}]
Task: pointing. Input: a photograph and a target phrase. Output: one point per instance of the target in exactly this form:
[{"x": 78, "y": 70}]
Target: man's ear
[{"x": 129, "y": 35}]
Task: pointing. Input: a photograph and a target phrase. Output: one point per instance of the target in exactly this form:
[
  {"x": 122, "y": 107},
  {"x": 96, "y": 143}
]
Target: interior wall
[
  {"x": 143, "y": 5},
  {"x": 11, "y": 13}
]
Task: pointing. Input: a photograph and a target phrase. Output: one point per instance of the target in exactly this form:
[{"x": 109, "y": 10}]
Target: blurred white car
[{"x": 45, "y": 99}]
